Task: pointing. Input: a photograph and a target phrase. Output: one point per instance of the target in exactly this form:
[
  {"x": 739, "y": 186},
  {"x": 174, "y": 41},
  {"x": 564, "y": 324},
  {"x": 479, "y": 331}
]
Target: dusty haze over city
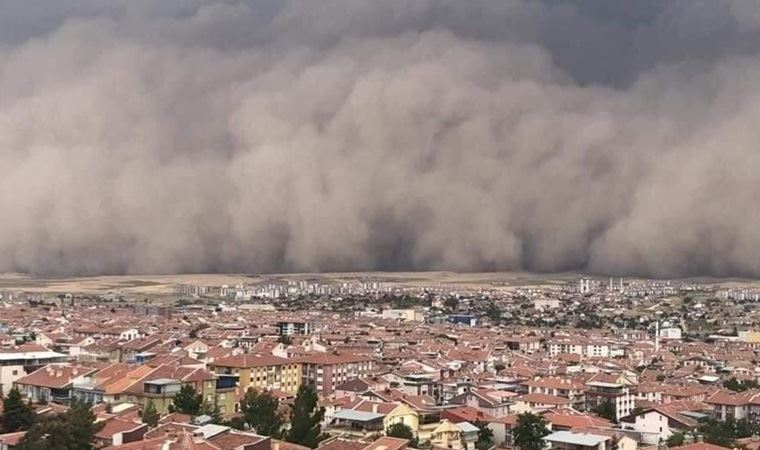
[{"x": 611, "y": 137}]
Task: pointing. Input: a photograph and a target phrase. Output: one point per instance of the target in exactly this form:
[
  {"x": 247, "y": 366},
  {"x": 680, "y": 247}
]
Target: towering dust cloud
[{"x": 297, "y": 135}]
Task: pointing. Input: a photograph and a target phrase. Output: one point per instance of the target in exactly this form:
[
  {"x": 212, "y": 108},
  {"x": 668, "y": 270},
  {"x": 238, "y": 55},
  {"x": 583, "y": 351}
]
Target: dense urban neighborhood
[{"x": 291, "y": 364}]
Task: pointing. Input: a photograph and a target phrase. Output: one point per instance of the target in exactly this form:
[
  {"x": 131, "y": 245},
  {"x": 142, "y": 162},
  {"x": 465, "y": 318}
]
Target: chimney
[{"x": 700, "y": 438}]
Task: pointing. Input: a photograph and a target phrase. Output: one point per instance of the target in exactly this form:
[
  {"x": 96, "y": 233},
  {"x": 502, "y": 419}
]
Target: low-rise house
[
  {"x": 658, "y": 423},
  {"x": 568, "y": 440},
  {"x": 185, "y": 436},
  {"x": 118, "y": 431},
  {"x": 454, "y": 435},
  {"x": 389, "y": 413},
  {"x": 536, "y": 403},
  {"x": 729, "y": 405},
  {"x": 52, "y": 383},
  {"x": 355, "y": 423},
  {"x": 492, "y": 403}
]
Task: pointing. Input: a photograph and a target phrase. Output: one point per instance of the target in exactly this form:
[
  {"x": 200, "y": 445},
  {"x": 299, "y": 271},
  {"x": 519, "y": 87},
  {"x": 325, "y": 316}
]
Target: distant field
[{"x": 163, "y": 284}]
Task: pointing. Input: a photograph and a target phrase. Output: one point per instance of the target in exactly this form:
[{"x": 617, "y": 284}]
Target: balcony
[
  {"x": 225, "y": 381},
  {"x": 163, "y": 387}
]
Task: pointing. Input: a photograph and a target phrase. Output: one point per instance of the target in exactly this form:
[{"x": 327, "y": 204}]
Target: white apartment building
[
  {"x": 597, "y": 349},
  {"x": 17, "y": 363},
  {"x": 616, "y": 393}
]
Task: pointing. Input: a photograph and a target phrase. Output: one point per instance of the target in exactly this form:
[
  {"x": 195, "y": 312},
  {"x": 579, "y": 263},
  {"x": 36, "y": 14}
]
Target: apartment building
[
  {"x": 261, "y": 372},
  {"x": 618, "y": 394},
  {"x": 18, "y": 362},
  {"x": 290, "y": 328},
  {"x": 571, "y": 389},
  {"x": 325, "y": 371},
  {"x": 596, "y": 348}
]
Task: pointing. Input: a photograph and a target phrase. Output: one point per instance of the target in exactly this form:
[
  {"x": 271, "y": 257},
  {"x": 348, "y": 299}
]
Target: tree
[
  {"x": 18, "y": 415},
  {"x": 485, "y": 436},
  {"x": 726, "y": 432},
  {"x": 260, "y": 412},
  {"x": 451, "y": 303},
  {"x": 187, "y": 401},
  {"x": 212, "y": 411},
  {"x": 739, "y": 386},
  {"x": 675, "y": 440},
  {"x": 237, "y": 423},
  {"x": 284, "y": 339},
  {"x": 73, "y": 430},
  {"x": 606, "y": 410},
  {"x": 528, "y": 432},
  {"x": 400, "y": 430},
  {"x": 150, "y": 415},
  {"x": 194, "y": 331},
  {"x": 305, "y": 418},
  {"x": 493, "y": 313}
]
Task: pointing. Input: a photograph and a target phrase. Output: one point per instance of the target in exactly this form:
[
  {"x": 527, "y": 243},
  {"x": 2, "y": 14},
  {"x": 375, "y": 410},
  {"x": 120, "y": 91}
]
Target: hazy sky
[{"x": 611, "y": 136}]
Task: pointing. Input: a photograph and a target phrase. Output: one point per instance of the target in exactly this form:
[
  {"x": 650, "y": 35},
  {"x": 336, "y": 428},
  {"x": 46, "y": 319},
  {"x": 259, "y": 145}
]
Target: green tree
[
  {"x": 150, "y": 415},
  {"x": 237, "y": 423},
  {"x": 284, "y": 339},
  {"x": 733, "y": 384},
  {"x": 18, "y": 415},
  {"x": 187, "y": 401},
  {"x": 739, "y": 386},
  {"x": 73, "y": 430},
  {"x": 260, "y": 412},
  {"x": 400, "y": 430},
  {"x": 196, "y": 329},
  {"x": 528, "y": 432},
  {"x": 451, "y": 303},
  {"x": 485, "y": 436},
  {"x": 726, "y": 432},
  {"x": 212, "y": 411},
  {"x": 493, "y": 313},
  {"x": 305, "y": 428},
  {"x": 606, "y": 410},
  {"x": 675, "y": 440}
]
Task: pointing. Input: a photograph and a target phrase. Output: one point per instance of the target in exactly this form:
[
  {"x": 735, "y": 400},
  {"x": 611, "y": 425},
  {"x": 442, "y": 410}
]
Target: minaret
[{"x": 657, "y": 336}]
